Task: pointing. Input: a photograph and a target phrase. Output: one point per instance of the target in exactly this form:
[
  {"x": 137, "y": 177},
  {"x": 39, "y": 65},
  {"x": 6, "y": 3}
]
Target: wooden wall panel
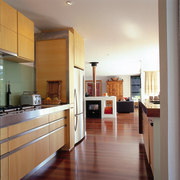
[{"x": 51, "y": 64}]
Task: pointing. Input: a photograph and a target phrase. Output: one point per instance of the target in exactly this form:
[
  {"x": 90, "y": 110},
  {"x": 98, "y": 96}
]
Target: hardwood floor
[{"x": 112, "y": 150}]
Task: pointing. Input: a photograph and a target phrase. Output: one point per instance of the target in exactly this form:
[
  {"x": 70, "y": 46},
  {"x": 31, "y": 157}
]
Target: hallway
[{"x": 112, "y": 150}]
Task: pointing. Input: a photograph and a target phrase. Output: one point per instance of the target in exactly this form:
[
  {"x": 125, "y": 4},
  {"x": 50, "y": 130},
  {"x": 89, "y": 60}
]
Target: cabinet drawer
[
  {"x": 22, "y": 127},
  {"x": 3, "y": 133},
  {"x": 57, "y": 115},
  {"x": 57, "y": 139},
  {"x": 4, "y": 171},
  {"x": 19, "y": 141},
  {"x": 3, "y": 148},
  {"x": 57, "y": 124},
  {"x": 26, "y": 159}
]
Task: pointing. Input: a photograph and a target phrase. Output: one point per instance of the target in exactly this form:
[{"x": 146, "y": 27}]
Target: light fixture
[{"x": 69, "y": 3}]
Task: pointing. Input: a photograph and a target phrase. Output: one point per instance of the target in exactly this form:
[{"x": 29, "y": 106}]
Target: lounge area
[{"x": 125, "y": 106}]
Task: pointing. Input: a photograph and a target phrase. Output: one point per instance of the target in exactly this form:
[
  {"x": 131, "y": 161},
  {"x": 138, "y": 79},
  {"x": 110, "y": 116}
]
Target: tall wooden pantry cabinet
[{"x": 56, "y": 52}]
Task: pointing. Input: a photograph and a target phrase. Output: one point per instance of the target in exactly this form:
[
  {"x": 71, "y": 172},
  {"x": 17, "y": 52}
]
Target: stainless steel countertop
[{"x": 11, "y": 119}]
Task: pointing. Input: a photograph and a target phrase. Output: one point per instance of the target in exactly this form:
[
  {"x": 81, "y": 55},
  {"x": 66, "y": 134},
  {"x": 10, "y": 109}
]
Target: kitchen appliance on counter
[
  {"x": 80, "y": 125},
  {"x": 29, "y": 98}
]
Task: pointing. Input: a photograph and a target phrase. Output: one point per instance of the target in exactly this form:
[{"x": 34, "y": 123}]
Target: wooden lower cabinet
[
  {"x": 3, "y": 133},
  {"x": 4, "y": 148},
  {"x": 151, "y": 148},
  {"x": 57, "y": 139},
  {"x": 4, "y": 163},
  {"x": 57, "y": 115},
  {"x": 26, "y": 159},
  {"x": 148, "y": 140},
  {"x": 146, "y": 134}
]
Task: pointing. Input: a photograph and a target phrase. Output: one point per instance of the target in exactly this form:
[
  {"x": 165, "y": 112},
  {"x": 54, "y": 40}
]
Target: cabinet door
[
  {"x": 4, "y": 170},
  {"x": 57, "y": 139},
  {"x": 3, "y": 133},
  {"x": 26, "y": 159},
  {"x": 25, "y": 37},
  {"x": 25, "y": 26},
  {"x": 25, "y": 48},
  {"x": 78, "y": 51},
  {"x": 8, "y": 28},
  {"x": 146, "y": 134},
  {"x": 151, "y": 149}
]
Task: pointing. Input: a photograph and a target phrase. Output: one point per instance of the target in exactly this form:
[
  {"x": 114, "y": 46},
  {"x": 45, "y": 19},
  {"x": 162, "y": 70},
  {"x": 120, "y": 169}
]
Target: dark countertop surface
[{"x": 11, "y": 119}]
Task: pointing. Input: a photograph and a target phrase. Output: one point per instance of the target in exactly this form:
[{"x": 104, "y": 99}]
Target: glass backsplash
[{"x": 21, "y": 78}]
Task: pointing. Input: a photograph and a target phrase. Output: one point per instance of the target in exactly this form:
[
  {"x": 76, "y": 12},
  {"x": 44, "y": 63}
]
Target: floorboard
[{"x": 112, "y": 150}]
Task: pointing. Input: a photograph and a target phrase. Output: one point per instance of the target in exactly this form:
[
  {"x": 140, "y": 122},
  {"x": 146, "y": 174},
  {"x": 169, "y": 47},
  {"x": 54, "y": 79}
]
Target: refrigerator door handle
[{"x": 75, "y": 96}]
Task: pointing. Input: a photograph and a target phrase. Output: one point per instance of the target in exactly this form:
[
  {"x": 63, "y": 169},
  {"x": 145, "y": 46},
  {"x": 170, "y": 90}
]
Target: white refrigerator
[{"x": 80, "y": 125}]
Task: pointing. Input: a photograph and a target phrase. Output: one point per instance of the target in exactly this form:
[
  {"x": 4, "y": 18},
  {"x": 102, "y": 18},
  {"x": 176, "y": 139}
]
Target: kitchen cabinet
[
  {"x": 16, "y": 34},
  {"x": 8, "y": 28},
  {"x": 4, "y": 170},
  {"x": 26, "y": 144},
  {"x": 3, "y": 133},
  {"x": 55, "y": 58},
  {"x": 115, "y": 88},
  {"x": 26, "y": 159},
  {"x": 151, "y": 149},
  {"x": 146, "y": 134},
  {"x": 21, "y": 140},
  {"x": 78, "y": 51},
  {"x": 27, "y": 125},
  {"x": 25, "y": 37},
  {"x": 57, "y": 115},
  {"x": 149, "y": 128},
  {"x": 57, "y": 139},
  {"x": 57, "y": 130},
  {"x": 4, "y": 148}
]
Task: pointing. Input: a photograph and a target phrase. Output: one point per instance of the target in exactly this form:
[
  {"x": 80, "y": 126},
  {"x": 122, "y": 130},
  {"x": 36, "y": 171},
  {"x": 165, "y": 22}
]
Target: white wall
[
  {"x": 170, "y": 90},
  {"x": 126, "y": 83}
]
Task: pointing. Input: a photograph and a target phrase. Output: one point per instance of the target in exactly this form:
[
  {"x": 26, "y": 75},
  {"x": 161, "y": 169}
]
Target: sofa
[{"x": 125, "y": 106}]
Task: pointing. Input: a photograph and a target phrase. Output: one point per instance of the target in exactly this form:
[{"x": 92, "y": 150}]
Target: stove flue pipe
[{"x": 94, "y": 64}]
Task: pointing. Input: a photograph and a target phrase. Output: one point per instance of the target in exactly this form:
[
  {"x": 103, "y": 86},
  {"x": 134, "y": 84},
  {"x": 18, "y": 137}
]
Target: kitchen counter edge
[
  {"x": 152, "y": 110},
  {"x": 9, "y": 120}
]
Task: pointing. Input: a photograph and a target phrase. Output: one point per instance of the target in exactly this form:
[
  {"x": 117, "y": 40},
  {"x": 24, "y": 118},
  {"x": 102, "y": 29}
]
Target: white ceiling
[{"x": 122, "y": 35}]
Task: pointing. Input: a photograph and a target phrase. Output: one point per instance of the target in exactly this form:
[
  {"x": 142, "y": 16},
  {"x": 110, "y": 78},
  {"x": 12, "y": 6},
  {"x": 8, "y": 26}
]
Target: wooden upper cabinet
[
  {"x": 25, "y": 37},
  {"x": 8, "y": 28},
  {"x": 25, "y": 26},
  {"x": 78, "y": 51}
]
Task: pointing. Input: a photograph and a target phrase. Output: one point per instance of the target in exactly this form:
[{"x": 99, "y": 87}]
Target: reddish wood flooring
[{"x": 112, "y": 150}]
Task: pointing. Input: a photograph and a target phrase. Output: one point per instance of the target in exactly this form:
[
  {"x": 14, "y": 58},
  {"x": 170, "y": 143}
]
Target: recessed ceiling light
[{"x": 69, "y": 3}]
